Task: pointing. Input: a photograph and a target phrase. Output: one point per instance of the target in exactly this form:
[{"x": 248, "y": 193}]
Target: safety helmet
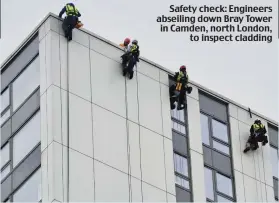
[
  {"x": 183, "y": 68},
  {"x": 135, "y": 42},
  {"x": 127, "y": 41}
]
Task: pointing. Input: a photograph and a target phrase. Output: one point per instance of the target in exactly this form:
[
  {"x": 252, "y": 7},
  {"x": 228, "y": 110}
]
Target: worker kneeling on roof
[
  {"x": 70, "y": 20},
  {"x": 257, "y": 134}
]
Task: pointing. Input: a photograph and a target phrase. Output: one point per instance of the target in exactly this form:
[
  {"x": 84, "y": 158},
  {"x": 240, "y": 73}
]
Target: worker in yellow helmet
[
  {"x": 70, "y": 20},
  {"x": 257, "y": 134}
]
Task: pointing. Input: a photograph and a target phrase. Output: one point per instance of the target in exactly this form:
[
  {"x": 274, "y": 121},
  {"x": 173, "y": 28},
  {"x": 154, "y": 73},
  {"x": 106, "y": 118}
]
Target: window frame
[
  {"x": 11, "y": 197},
  {"x": 15, "y": 134},
  {"x": 11, "y": 85},
  {"x": 276, "y": 148},
  {"x": 185, "y": 124},
  {"x": 215, "y": 190},
  {"x": 212, "y": 138}
]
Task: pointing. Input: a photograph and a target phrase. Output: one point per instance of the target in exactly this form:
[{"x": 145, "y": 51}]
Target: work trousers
[
  {"x": 68, "y": 25},
  {"x": 253, "y": 140}
]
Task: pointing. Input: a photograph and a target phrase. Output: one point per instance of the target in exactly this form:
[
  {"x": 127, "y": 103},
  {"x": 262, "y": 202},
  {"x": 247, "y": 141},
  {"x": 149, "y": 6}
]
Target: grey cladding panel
[
  {"x": 19, "y": 63},
  {"x": 24, "y": 113},
  {"x": 222, "y": 163},
  {"x": 6, "y": 131},
  {"x": 28, "y": 166},
  {"x": 179, "y": 143},
  {"x": 6, "y": 188},
  {"x": 182, "y": 195},
  {"x": 213, "y": 107}
]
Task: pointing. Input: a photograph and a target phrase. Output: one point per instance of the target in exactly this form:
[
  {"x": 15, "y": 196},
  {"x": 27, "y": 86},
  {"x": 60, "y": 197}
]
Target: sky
[{"x": 244, "y": 72}]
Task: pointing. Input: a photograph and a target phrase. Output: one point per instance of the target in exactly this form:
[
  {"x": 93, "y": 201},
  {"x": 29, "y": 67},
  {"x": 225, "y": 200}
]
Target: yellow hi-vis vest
[
  {"x": 179, "y": 84},
  {"x": 256, "y": 127},
  {"x": 71, "y": 11}
]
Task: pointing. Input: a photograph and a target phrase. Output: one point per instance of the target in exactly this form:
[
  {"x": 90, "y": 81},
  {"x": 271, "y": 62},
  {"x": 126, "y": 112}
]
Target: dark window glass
[
  {"x": 275, "y": 185},
  {"x": 207, "y": 156},
  {"x": 178, "y": 127},
  {"x": 180, "y": 165},
  {"x": 273, "y": 136},
  {"x": 274, "y": 161},
  {"x": 208, "y": 183},
  {"x": 205, "y": 129},
  {"x": 222, "y": 199},
  {"x": 222, "y": 163},
  {"x": 213, "y": 107},
  {"x": 179, "y": 143},
  {"x": 224, "y": 184},
  {"x": 182, "y": 195},
  {"x": 220, "y": 130}
]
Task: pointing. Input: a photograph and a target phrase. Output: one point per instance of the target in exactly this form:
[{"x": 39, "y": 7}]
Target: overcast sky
[{"x": 245, "y": 72}]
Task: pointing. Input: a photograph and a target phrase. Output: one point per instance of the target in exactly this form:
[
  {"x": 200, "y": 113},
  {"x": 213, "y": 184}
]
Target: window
[
  {"x": 178, "y": 127},
  {"x": 182, "y": 182},
  {"x": 5, "y": 155},
  {"x": 209, "y": 184},
  {"x": 205, "y": 129},
  {"x": 5, "y": 172},
  {"x": 26, "y": 139},
  {"x": 275, "y": 161},
  {"x": 5, "y": 99},
  {"x": 30, "y": 190},
  {"x": 180, "y": 155},
  {"x": 180, "y": 165},
  {"x": 220, "y": 130},
  {"x": 5, "y": 116},
  {"x": 26, "y": 83},
  {"x": 224, "y": 185},
  {"x": 218, "y": 171},
  {"x": 221, "y": 147},
  {"x": 179, "y": 115}
]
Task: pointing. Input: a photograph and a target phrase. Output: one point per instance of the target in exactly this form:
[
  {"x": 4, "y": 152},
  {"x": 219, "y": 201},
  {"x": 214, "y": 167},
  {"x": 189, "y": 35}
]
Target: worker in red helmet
[
  {"x": 125, "y": 44},
  {"x": 181, "y": 78}
]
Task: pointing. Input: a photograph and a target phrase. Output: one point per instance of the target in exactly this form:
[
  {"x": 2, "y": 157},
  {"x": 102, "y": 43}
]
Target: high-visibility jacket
[
  {"x": 257, "y": 127},
  {"x": 71, "y": 10},
  {"x": 182, "y": 76}
]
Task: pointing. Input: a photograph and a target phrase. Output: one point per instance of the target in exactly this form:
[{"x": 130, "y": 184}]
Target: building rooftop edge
[{"x": 200, "y": 87}]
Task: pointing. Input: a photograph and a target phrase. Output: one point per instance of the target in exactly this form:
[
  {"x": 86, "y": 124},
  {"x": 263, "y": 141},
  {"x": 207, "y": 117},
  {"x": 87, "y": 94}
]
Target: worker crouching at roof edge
[{"x": 70, "y": 20}]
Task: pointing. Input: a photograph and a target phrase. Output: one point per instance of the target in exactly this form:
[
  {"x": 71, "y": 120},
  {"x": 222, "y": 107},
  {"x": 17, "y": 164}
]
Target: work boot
[
  {"x": 246, "y": 149},
  {"x": 264, "y": 143},
  {"x": 124, "y": 71},
  {"x": 131, "y": 75}
]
